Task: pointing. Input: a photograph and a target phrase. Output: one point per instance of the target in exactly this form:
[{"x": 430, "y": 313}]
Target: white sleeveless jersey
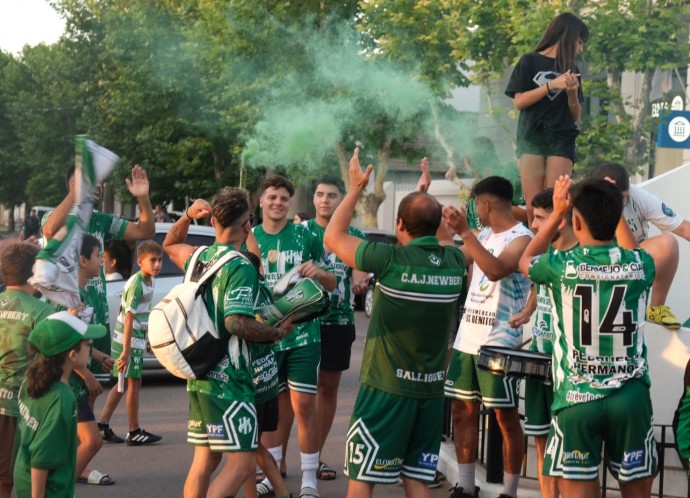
[{"x": 489, "y": 305}]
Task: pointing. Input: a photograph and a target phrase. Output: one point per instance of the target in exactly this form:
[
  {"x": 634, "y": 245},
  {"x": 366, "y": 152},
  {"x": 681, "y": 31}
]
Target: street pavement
[{"x": 160, "y": 470}]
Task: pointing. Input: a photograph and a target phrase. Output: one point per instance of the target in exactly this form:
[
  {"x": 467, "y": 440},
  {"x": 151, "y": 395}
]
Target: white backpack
[{"x": 182, "y": 335}]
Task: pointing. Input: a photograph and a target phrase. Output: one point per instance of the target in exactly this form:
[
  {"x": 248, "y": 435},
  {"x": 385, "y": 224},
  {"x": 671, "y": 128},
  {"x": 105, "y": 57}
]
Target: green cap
[{"x": 62, "y": 331}]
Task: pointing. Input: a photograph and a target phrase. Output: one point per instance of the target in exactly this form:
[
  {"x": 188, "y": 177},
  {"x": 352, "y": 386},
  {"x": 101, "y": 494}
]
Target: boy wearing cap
[
  {"x": 46, "y": 461},
  {"x": 20, "y": 311}
]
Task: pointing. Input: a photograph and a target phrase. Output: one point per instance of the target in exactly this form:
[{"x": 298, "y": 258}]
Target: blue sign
[{"x": 674, "y": 131}]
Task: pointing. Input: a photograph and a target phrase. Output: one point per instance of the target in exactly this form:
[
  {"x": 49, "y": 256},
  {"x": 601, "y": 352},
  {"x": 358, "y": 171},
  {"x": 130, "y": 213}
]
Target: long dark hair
[
  {"x": 564, "y": 30},
  {"x": 45, "y": 371}
]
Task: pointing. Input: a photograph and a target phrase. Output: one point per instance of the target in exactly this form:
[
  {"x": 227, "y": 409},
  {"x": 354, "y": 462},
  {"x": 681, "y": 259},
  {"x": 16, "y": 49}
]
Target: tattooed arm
[{"x": 249, "y": 329}]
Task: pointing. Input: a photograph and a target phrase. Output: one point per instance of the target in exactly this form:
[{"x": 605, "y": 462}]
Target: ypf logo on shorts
[
  {"x": 215, "y": 431},
  {"x": 428, "y": 460},
  {"x": 632, "y": 459}
]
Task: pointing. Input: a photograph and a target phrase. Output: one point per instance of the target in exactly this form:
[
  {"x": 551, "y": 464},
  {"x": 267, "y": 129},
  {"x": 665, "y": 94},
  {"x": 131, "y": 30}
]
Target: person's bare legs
[
  {"x": 268, "y": 467},
  {"x": 416, "y": 489},
  {"x": 238, "y": 468},
  {"x": 640, "y": 488},
  {"x": 555, "y": 167},
  {"x": 326, "y": 403},
  {"x": 359, "y": 489},
  {"x": 579, "y": 489},
  {"x": 665, "y": 252},
  {"x": 199, "y": 475},
  {"x": 513, "y": 439},
  {"x": 132, "y": 401},
  {"x": 110, "y": 405},
  {"x": 304, "y": 406},
  {"x": 465, "y": 430},
  {"x": 280, "y": 436},
  {"x": 532, "y": 176},
  {"x": 90, "y": 442},
  {"x": 548, "y": 485}
]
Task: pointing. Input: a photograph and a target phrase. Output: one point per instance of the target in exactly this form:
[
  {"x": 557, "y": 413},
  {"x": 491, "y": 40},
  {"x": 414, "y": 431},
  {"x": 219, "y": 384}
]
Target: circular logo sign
[{"x": 679, "y": 129}]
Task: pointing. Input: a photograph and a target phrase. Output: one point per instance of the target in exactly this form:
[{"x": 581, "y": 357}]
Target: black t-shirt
[
  {"x": 551, "y": 113},
  {"x": 31, "y": 226}
]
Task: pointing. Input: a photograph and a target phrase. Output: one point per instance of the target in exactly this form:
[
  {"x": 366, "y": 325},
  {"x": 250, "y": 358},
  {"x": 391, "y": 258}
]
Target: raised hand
[
  {"x": 358, "y": 178},
  {"x": 425, "y": 179},
  {"x": 456, "y": 219},
  {"x": 199, "y": 209},
  {"x": 139, "y": 184},
  {"x": 562, "y": 201}
]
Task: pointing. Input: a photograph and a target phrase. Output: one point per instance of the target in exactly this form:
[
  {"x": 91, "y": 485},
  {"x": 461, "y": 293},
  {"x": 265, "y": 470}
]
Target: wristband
[
  {"x": 186, "y": 212},
  {"x": 548, "y": 88}
]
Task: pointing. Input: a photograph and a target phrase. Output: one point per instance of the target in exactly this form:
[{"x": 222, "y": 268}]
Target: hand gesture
[
  {"x": 123, "y": 361},
  {"x": 456, "y": 219},
  {"x": 358, "y": 179},
  {"x": 139, "y": 184},
  {"x": 309, "y": 269},
  {"x": 199, "y": 209},
  {"x": 562, "y": 201},
  {"x": 571, "y": 82},
  {"x": 425, "y": 179}
]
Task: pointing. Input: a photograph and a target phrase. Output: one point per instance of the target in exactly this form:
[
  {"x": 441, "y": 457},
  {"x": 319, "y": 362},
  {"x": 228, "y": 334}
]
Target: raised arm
[
  {"x": 174, "y": 244},
  {"x": 562, "y": 204},
  {"x": 145, "y": 227},
  {"x": 337, "y": 237}
]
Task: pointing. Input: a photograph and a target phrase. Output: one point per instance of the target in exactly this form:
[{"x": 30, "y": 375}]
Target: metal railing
[{"x": 489, "y": 454}]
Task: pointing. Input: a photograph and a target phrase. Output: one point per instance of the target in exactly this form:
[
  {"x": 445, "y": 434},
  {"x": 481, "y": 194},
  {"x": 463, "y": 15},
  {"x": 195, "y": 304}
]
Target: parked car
[
  {"x": 366, "y": 301},
  {"x": 168, "y": 278}
]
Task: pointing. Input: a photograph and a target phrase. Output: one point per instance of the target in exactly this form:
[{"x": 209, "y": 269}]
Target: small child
[
  {"x": 129, "y": 343},
  {"x": 20, "y": 312},
  {"x": 46, "y": 461}
]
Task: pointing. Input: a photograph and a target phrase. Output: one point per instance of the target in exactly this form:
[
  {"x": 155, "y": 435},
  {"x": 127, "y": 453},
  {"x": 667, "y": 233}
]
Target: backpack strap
[{"x": 192, "y": 263}]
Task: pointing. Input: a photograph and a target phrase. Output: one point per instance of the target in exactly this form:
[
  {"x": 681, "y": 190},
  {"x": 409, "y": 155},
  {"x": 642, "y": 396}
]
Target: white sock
[
  {"x": 466, "y": 477},
  {"x": 310, "y": 464},
  {"x": 510, "y": 484}
]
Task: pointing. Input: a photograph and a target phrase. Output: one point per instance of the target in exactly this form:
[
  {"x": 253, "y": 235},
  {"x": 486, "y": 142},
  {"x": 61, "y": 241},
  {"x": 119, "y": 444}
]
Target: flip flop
[
  {"x": 97, "y": 478},
  {"x": 325, "y": 473},
  {"x": 308, "y": 492}
]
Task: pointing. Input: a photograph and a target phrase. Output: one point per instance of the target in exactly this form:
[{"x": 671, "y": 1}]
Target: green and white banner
[{"x": 56, "y": 270}]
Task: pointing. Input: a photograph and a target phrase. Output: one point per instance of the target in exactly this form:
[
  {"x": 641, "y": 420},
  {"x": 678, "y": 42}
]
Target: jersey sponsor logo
[
  {"x": 419, "y": 376},
  {"x": 194, "y": 424},
  {"x": 667, "y": 210},
  {"x": 632, "y": 459},
  {"x": 434, "y": 260},
  {"x": 245, "y": 425},
  {"x": 6, "y": 393},
  {"x": 428, "y": 460},
  {"x": 387, "y": 463},
  {"x": 542, "y": 329},
  {"x": 240, "y": 294},
  {"x": 544, "y": 77},
  {"x": 617, "y": 271},
  {"x": 575, "y": 456},
  {"x": 215, "y": 431},
  {"x": 414, "y": 278},
  {"x": 578, "y": 397},
  {"x": 479, "y": 317}
]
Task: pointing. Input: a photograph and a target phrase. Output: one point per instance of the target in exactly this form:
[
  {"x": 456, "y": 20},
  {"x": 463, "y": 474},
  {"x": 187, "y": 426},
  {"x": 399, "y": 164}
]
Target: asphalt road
[{"x": 160, "y": 470}]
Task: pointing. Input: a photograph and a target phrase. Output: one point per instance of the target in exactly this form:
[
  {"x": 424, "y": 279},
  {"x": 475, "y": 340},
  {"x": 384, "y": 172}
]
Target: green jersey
[
  {"x": 19, "y": 314},
  {"x": 280, "y": 253},
  {"x": 264, "y": 364},
  {"x": 48, "y": 441},
  {"x": 599, "y": 296},
  {"x": 137, "y": 298},
  {"x": 232, "y": 292},
  {"x": 341, "y": 310},
  {"x": 414, "y": 304}
]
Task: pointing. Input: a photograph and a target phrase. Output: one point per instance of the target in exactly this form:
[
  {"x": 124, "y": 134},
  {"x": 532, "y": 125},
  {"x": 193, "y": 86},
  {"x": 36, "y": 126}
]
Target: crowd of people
[{"x": 578, "y": 256}]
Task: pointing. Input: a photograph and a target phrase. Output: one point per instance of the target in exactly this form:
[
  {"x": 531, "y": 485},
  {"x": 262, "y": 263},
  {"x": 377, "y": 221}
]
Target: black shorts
[
  {"x": 267, "y": 415},
  {"x": 336, "y": 347},
  {"x": 85, "y": 412},
  {"x": 8, "y": 436},
  {"x": 548, "y": 145}
]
